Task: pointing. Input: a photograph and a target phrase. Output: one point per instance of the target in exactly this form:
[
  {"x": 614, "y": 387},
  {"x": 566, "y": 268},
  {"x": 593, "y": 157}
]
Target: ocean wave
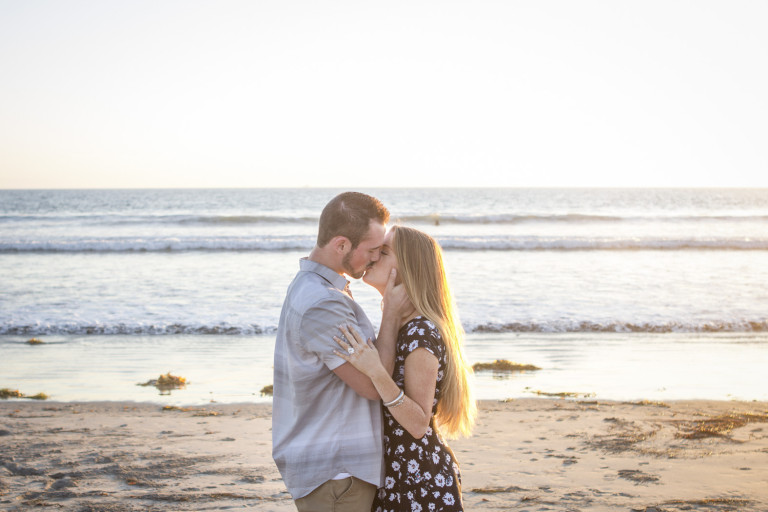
[
  {"x": 306, "y": 242},
  {"x": 160, "y": 244},
  {"x": 108, "y": 219},
  {"x": 134, "y": 330},
  {"x": 510, "y": 327},
  {"x": 504, "y": 243},
  {"x": 623, "y": 327}
]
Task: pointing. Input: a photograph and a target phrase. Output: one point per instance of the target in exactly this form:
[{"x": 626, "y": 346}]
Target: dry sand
[{"x": 527, "y": 455}]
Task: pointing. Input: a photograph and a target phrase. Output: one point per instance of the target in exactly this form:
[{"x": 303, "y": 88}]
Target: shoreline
[
  {"x": 533, "y": 454},
  {"x": 233, "y": 369}
]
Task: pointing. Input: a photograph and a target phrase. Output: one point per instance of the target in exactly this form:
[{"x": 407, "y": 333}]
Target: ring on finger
[{"x": 350, "y": 350}]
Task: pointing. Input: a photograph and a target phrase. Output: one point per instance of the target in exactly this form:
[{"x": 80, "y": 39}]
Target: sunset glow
[{"x": 262, "y": 94}]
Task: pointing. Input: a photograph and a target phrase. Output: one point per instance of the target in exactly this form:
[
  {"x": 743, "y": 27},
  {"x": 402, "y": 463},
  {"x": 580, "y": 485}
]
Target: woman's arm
[{"x": 415, "y": 411}]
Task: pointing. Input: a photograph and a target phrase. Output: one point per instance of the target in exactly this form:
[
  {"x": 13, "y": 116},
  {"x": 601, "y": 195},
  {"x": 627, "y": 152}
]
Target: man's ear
[{"x": 341, "y": 244}]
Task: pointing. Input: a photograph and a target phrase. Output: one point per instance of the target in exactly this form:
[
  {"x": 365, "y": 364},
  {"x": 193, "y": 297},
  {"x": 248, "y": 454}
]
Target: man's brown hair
[{"x": 349, "y": 214}]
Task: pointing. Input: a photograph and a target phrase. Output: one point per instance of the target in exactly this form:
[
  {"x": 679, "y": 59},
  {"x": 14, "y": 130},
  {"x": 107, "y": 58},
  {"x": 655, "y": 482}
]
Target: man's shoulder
[{"x": 310, "y": 290}]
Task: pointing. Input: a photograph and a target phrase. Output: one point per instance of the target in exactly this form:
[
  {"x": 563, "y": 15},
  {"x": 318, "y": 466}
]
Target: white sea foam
[
  {"x": 306, "y": 242},
  {"x": 223, "y": 328}
]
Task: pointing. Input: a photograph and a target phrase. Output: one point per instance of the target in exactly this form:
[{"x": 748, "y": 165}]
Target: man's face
[{"x": 356, "y": 262}]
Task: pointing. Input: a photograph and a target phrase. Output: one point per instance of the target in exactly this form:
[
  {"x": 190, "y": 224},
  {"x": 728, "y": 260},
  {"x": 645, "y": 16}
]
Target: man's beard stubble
[{"x": 348, "y": 267}]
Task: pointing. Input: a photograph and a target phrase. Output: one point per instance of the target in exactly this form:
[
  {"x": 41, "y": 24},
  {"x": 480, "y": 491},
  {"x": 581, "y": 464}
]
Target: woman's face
[{"x": 378, "y": 275}]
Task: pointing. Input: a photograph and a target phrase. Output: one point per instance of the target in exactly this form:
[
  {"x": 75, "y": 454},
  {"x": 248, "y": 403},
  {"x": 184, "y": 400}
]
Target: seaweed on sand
[
  {"x": 502, "y": 365},
  {"x": 15, "y": 393},
  {"x": 10, "y": 393},
  {"x": 719, "y": 426},
  {"x": 167, "y": 382},
  {"x": 35, "y": 341},
  {"x": 562, "y": 394},
  {"x": 266, "y": 390}
]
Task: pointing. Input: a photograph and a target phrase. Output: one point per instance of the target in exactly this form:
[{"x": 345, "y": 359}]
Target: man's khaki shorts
[{"x": 347, "y": 495}]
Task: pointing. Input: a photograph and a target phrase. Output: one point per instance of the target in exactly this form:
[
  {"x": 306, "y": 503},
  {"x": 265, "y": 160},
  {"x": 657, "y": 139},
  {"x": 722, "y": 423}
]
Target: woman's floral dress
[{"x": 420, "y": 474}]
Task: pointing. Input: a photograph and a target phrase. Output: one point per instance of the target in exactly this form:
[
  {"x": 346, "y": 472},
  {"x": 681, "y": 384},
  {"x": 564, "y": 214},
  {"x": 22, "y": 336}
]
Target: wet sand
[{"x": 529, "y": 454}]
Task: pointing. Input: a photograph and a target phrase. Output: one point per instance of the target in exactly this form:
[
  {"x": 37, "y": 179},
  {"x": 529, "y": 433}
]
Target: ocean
[{"x": 614, "y": 293}]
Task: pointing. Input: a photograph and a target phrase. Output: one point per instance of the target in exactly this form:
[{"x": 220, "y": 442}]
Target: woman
[{"x": 428, "y": 395}]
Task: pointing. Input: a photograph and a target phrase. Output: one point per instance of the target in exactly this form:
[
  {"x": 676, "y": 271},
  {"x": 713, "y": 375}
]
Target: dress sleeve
[{"x": 422, "y": 334}]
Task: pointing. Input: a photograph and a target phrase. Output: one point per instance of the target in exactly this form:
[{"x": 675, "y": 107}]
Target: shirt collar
[{"x": 336, "y": 279}]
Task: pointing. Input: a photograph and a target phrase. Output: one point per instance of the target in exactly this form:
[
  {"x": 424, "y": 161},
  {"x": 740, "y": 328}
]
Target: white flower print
[{"x": 423, "y": 490}]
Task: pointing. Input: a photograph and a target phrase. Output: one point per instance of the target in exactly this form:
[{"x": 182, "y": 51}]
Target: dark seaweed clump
[{"x": 502, "y": 365}]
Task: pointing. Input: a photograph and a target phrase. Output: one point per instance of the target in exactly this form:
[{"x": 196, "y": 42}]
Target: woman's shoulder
[
  {"x": 420, "y": 332},
  {"x": 420, "y": 326}
]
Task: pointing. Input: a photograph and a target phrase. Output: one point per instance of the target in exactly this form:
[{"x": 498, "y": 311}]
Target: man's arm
[{"x": 319, "y": 324}]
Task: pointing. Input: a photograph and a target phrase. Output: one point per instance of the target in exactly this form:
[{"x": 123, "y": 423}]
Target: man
[{"x": 326, "y": 419}]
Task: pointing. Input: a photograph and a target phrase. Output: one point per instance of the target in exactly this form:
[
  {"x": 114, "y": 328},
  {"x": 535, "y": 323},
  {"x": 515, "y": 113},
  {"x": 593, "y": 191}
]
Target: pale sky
[{"x": 263, "y": 93}]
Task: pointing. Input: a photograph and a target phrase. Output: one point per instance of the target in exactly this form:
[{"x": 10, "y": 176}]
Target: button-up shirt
[{"x": 320, "y": 426}]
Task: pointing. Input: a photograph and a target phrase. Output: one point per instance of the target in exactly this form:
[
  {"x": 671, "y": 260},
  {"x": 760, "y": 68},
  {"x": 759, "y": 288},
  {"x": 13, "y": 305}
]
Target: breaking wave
[
  {"x": 510, "y": 327},
  {"x": 306, "y": 242}
]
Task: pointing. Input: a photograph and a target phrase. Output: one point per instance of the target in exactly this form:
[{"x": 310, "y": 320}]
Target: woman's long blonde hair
[{"x": 420, "y": 266}]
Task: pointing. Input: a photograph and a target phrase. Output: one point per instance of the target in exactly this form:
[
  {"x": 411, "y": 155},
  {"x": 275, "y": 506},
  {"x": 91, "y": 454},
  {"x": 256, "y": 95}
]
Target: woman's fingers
[
  {"x": 352, "y": 336},
  {"x": 342, "y": 355},
  {"x": 343, "y": 344}
]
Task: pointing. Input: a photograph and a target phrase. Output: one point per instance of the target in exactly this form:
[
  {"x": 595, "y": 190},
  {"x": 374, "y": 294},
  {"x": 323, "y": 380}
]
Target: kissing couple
[{"x": 359, "y": 419}]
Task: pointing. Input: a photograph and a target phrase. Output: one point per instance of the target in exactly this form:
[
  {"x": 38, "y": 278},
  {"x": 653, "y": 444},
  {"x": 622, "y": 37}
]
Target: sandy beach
[{"x": 529, "y": 454}]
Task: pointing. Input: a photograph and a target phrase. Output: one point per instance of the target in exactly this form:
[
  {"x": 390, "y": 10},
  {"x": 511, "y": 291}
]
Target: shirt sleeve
[{"x": 320, "y": 324}]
